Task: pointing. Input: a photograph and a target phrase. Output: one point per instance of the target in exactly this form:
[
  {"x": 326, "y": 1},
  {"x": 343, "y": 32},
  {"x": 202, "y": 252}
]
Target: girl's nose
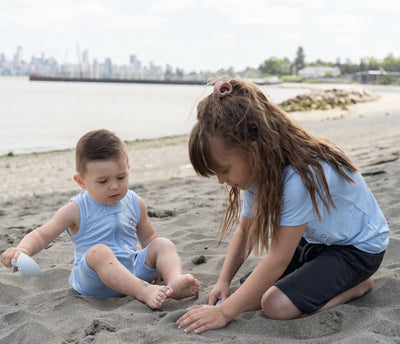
[{"x": 220, "y": 179}]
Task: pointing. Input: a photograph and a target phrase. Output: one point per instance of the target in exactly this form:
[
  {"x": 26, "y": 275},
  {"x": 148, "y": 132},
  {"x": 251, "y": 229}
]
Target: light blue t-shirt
[
  {"x": 357, "y": 220},
  {"x": 112, "y": 225}
]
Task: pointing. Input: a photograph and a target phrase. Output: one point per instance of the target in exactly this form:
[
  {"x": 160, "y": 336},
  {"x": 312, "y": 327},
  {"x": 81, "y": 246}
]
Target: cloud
[
  {"x": 172, "y": 6},
  {"x": 256, "y": 12},
  {"x": 342, "y": 23},
  {"x": 71, "y": 16}
]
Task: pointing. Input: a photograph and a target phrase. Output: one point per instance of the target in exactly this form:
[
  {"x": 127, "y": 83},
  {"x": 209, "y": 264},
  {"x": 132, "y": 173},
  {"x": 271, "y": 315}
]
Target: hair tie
[{"x": 219, "y": 85}]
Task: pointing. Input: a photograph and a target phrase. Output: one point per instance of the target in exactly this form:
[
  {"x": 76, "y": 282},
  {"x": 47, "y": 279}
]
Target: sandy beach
[{"x": 188, "y": 209}]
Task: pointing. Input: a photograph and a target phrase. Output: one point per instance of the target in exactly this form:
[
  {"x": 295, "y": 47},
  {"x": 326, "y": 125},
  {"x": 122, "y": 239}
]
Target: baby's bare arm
[
  {"x": 145, "y": 231},
  {"x": 35, "y": 241}
]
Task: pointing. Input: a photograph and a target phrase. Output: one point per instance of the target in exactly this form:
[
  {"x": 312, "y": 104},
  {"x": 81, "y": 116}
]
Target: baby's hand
[{"x": 11, "y": 254}]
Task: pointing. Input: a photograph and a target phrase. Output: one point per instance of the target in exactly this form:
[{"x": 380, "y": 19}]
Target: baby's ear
[{"x": 77, "y": 177}]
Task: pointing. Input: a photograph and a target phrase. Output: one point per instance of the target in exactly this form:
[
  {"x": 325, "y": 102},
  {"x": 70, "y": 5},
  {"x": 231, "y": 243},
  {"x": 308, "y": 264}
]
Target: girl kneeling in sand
[
  {"x": 104, "y": 224},
  {"x": 304, "y": 202}
]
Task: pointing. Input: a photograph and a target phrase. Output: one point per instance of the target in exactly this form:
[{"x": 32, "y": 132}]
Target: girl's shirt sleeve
[
  {"x": 248, "y": 200},
  {"x": 297, "y": 207}
]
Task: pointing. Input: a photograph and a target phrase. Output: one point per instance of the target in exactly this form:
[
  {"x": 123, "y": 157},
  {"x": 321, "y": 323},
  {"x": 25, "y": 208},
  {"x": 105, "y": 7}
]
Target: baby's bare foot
[
  {"x": 155, "y": 295},
  {"x": 184, "y": 286}
]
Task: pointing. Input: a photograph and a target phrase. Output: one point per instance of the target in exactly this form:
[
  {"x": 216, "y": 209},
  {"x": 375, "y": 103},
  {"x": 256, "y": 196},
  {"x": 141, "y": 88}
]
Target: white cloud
[
  {"x": 168, "y": 6},
  {"x": 68, "y": 16},
  {"x": 292, "y": 36},
  {"x": 256, "y": 12},
  {"x": 342, "y": 23}
]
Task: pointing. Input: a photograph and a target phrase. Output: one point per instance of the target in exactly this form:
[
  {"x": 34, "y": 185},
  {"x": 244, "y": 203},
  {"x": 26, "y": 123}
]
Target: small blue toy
[{"x": 26, "y": 265}]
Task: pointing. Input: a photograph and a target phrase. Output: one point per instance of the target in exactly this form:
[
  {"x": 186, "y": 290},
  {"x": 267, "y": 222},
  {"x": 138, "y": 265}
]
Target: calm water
[{"x": 45, "y": 116}]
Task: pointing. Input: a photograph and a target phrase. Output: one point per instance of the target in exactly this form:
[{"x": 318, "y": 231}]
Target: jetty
[{"x": 36, "y": 77}]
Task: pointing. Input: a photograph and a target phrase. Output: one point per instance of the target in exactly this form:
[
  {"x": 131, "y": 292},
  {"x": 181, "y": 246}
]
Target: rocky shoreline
[{"x": 327, "y": 99}]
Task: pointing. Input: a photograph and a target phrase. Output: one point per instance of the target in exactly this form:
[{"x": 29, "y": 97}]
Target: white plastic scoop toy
[{"x": 26, "y": 265}]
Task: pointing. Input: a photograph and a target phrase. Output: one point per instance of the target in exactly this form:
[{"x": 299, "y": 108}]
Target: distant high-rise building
[
  {"x": 96, "y": 69},
  {"x": 18, "y": 56},
  {"x": 85, "y": 63},
  {"x": 108, "y": 67}
]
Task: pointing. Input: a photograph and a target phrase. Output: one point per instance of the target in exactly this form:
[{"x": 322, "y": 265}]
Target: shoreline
[
  {"x": 155, "y": 140},
  {"x": 392, "y": 90}
]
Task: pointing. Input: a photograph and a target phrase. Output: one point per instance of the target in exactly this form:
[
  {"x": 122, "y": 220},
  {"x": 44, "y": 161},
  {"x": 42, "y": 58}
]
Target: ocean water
[{"x": 46, "y": 116}]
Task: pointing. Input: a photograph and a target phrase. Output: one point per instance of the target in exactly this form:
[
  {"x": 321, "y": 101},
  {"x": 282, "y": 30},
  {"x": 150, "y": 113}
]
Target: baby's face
[{"x": 107, "y": 180}]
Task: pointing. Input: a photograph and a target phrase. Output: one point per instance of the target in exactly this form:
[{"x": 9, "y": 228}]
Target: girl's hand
[
  {"x": 220, "y": 292},
  {"x": 202, "y": 318},
  {"x": 11, "y": 254}
]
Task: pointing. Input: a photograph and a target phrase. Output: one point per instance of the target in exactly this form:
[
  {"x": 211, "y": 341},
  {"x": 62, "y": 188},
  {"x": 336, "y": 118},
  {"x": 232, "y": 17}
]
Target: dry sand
[{"x": 187, "y": 209}]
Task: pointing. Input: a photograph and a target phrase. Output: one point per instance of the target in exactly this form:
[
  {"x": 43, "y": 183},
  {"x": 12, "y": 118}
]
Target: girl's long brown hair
[{"x": 246, "y": 116}]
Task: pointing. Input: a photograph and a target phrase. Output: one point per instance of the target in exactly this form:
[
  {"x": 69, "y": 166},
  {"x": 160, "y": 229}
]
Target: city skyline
[
  {"x": 84, "y": 66},
  {"x": 200, "y": 35}
]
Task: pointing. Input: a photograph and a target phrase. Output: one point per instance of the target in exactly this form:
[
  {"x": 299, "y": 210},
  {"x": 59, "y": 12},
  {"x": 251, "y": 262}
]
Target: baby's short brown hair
[{"x": 98, "y": 144}]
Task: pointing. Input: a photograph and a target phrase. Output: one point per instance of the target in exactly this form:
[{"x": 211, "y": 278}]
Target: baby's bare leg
[
  {"x": 162, "y": 254},
  {"x": 115, "y": 276}
]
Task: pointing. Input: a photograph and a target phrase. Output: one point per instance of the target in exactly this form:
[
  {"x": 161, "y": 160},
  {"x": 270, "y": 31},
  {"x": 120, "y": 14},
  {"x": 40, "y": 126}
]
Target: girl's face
[
  {"x": 231, "y": 167},
  {"x": 105, "y": 180}
]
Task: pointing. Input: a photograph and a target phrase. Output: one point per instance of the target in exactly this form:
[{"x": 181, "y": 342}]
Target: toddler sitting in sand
[{"x": 104, "y": 223}]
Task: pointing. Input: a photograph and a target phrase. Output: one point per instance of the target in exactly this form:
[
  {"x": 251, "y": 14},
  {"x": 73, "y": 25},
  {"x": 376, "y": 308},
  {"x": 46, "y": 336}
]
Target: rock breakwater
[{"x": 327, "y": 99}]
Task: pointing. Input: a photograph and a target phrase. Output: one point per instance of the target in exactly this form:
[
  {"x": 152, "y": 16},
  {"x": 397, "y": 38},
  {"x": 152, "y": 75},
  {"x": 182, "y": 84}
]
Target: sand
[{"x": 187, "y": 209}]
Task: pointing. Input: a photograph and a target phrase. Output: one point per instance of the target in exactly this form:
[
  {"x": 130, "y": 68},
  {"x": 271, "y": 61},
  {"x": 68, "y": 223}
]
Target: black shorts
[{"x": 317, "y": 273}]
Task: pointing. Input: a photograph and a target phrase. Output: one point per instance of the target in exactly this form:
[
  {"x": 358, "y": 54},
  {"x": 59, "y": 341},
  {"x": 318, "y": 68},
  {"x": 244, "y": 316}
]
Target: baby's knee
[
  {"x": 162, "y": 244},
  {"x": 98, "y": 252}
]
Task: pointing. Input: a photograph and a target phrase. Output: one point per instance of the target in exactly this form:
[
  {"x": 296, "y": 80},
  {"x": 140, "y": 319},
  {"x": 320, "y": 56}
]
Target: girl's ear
[
  {"x": 254, "y": 145},
  {"x": 77, "y": 177}
]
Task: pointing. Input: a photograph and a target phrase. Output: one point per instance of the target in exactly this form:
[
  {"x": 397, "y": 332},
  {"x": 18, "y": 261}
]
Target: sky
[{"x": 200, "y": 35}]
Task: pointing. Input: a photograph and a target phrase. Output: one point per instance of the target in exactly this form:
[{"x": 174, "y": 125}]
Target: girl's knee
[
  {"x": 276, "y": 305},
  {"x": 269, "y": 303}
]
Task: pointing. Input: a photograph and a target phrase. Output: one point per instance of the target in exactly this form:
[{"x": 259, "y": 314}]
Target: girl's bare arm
[
  {"x": 233, "y": 261},
  {"x": 235, "y": 256},
  {"x": 248, "y": 296}
]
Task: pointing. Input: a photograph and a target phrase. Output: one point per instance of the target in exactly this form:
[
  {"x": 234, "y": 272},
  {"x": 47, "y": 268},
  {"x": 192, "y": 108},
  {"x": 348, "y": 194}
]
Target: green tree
[
  {"x": 349, "y": 68},
  {"x": 299, "y": 62},
  {"x": 372, "y": 63},
  {"x": 391, "y": 64},
  {"x": 272, "y": 66},
  {"x": 286, "y": 66},
  {"x": 386, "y": 80}
]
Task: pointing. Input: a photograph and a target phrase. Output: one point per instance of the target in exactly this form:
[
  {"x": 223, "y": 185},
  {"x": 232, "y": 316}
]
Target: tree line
[{"x": 282, "y": 67}]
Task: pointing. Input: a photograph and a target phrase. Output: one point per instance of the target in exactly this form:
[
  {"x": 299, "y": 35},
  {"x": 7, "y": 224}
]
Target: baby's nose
[{"x": 114, "y": 185}]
